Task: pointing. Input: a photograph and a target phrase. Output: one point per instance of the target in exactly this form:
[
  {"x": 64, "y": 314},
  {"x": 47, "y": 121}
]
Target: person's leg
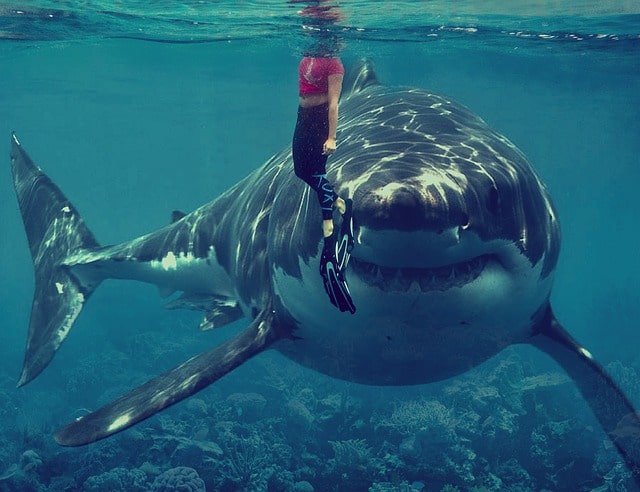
[
  {"x": 310, "y": 162},
  {"x": 326, "y": 198}
]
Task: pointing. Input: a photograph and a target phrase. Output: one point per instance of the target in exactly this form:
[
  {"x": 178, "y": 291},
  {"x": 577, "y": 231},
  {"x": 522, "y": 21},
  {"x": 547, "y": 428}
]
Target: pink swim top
[{"x": 314, "y": 74}]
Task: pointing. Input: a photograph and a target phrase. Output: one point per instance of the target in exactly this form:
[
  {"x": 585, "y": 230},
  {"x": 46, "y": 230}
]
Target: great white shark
[{"x": 456, "y": 243}]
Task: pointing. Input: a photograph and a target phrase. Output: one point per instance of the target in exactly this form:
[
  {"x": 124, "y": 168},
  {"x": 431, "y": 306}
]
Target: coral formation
[
  {"x": 179, "y": 479},
  {"x": 117, "y": 480},
  {"x": 506, "y": 426}
]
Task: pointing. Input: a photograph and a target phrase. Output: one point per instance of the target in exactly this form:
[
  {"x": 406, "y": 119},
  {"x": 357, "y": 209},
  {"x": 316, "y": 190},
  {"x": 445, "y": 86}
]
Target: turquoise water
[{"x": 136, "y": 109}]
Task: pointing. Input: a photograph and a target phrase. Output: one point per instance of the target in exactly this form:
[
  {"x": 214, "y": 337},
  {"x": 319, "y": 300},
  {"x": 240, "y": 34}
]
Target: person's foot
[
  {"x": 327, "y": 228},
  {"x": 335, "y": 284},
  {"x": 327, "y": 225}
]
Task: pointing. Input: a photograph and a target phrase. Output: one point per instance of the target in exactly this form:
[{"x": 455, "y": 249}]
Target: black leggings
[{"x": 309, "y": 163}]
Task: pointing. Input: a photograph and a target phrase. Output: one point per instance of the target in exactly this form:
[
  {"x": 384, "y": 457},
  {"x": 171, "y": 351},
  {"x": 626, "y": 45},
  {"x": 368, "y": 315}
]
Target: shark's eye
[
  {"x": 465, "y": 222},
  {"x": 493, "y": 201}
]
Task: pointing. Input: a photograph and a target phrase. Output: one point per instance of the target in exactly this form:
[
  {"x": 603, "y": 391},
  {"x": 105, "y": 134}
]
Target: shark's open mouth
[{"x": 442, "y": 278}]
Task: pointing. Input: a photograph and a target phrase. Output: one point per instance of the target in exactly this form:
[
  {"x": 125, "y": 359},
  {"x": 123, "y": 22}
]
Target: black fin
[
  {"x": 173, "y": 386},
  {"x": 334, "y": 282}
]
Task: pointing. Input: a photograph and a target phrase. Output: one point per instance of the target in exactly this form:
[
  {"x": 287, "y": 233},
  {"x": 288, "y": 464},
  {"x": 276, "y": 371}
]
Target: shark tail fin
[
  {"x": 608, "y": 403},
  {"x": 55, "y": 231}
]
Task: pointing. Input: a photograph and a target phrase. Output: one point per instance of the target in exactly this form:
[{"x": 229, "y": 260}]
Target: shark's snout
[
  {"x": 419, "y": 248},
  {"x": 418, "y": 234},
  {"x": 412, "y": 206}
]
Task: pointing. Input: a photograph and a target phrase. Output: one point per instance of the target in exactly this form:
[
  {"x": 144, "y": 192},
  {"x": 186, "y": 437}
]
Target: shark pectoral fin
[
  {"x": 610, "y": 406},
  {"x": 173, "y": 386}
]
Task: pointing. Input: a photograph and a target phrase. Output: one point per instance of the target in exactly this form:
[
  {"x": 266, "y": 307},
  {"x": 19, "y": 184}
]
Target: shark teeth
[{"x": 390, "y": 279}]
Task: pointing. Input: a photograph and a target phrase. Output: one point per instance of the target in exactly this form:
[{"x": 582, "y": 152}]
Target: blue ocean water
[{"x": 139, "y": 108}]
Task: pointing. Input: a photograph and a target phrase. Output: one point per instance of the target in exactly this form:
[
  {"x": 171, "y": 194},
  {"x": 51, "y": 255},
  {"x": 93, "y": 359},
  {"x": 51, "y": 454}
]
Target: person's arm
[{"x": 335, "y": 88}]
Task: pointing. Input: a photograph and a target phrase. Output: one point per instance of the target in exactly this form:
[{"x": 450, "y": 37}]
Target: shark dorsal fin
[
  {"x": 360, "y": 76},
  {"x": 176, "y": 215}
]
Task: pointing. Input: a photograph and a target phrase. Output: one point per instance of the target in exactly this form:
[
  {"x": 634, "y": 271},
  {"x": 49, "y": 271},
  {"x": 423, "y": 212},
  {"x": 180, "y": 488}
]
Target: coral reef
[
  {"x": 179, "y": 479},
  {"x": 246, "y": 462},
  {"x": 506, "y": 427},
  {"x": 248, "y": 406},
  {"x": 117, "y": 480}
]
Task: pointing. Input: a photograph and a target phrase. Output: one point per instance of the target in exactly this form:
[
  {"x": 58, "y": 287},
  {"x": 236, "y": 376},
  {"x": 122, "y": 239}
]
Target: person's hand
[{"x": 329, "y": 146}]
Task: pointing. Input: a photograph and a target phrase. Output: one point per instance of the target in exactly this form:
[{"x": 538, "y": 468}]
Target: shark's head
[{"x": 456, "y": 241}]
